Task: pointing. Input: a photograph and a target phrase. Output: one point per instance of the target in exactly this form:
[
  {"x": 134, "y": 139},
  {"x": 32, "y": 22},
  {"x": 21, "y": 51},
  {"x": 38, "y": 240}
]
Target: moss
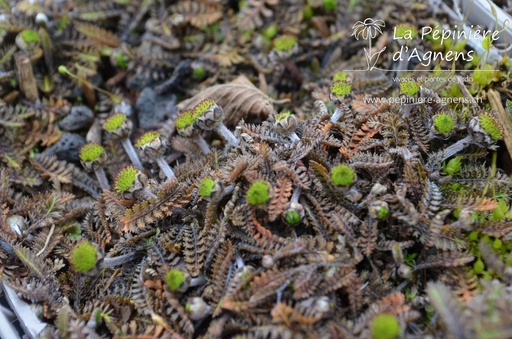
[
  {"x": 146, "y": 138},
  {"x": 206, "y": 187},
  {"x": 258, "y": 193},
  {"x": 90, "y": 152},
  {"x": 444, "y": 123},
  {"x": 284, "y": 43},
  {"x": 342, "y": 175},
  {"x": 385, "y": 326},
  {"x": 174, "y": 279},
  {"x": 491, "y": 126},
  {"x": 126, "y": 178},
  {"x": 114, "y": 122},
  {"x": 84, "y": 257}
]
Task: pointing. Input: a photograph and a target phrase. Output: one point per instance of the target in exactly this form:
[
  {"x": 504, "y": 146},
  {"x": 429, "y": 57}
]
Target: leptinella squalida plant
[{"x": 264, "y": 195}]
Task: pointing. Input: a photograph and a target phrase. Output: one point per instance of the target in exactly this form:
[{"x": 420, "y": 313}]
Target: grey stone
[
  {"x": 67, "y": 147},
  {"x": 152, "y": 109},
  {"x": 79, "y": 117}
]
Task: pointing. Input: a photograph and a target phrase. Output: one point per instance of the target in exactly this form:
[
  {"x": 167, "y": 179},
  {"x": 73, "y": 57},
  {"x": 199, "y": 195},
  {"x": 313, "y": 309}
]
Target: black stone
[{"x": 80, "y": 117}]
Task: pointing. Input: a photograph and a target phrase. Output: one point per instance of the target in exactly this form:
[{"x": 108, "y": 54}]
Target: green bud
[
  {"x": 342, "y": 175},
  {"x": 84, "y": 257},
  {"x": 258, "y": 194},
  {"x": 385, "y": 326}
]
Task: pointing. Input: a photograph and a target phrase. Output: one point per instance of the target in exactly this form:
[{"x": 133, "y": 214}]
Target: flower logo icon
[{"x": 368, "y": 30}]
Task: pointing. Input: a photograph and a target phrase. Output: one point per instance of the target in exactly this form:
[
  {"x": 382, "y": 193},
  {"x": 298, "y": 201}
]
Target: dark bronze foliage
[{"x": 273, "y": 224}]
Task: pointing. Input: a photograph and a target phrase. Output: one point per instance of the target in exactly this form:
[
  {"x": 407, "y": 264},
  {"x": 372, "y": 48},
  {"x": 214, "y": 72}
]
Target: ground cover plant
[{"x": 183, "y": 169}]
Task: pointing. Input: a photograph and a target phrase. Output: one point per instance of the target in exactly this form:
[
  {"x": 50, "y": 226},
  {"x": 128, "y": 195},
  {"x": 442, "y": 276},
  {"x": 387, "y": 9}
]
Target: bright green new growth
[
  {"x": 453, "y": 166},
  {"x": 409, "y": 87},
  {"x": 487, "y": 43},
  {"x": 122, "y": 60},
  {"x": 63, "y": 70},
  {"x": 330, "y": 5},
  {"x": 258, "y": 193},
  {"x": 199, "y": 72},
  {"x": 282, "y": 115},
  {"x": 90, "y": 152},
  {"x": 84, "y": 256},
  {"x": 270, "y": 31},
  {"x": 186, "y": 118},
  {"x": 342, "y": 175},
  {"x": 485, "y": 75},
  {"x": 478, "y": 266},
  {"x": 174, "y": 278},
  {"x": 206, "y": 187},
  {"x": 202, "y": 107},
  {"x": 491, "y": 126},
  {"x": 284, "y": 43},
  {"x": 497, "y": 244},
  {"x": 341, "y": 88},
  {"x": 340, "y": 76},
  {"x": 444, "y": 123},
  {"x": 30, "y": 36},
  {"x": 406, "y": 31},
  {"x": 146, "y": 138},
  {"x": 126, "y": 178},
  {"x": 114, "y": 122},
  {"x": 383, "y": 213},
  {"x": 385, "y": 326},
  {"x": 292, "y": 217}
]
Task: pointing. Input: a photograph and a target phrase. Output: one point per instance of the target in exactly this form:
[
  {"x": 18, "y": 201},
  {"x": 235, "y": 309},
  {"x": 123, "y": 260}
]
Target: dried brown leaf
[
  {"x": 282, "y": 193},
  {"x": 239, "y": 99}
]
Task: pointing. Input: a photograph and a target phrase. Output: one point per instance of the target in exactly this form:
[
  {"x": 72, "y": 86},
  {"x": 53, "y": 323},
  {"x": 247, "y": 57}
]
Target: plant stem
[
  {"x": 492, "y": 175},
  {"x": 339, "y": 113},
  {"x": 164, "y": 166},
  {"x": 227, "y": 135},
  {"x": 296, "y": 195},
  {"x": 456, "y": 147},
  {"x": 147, "y": 194},
  {"x": 203, "y": 146},
  {"x": 119, "y": 260},
  {"x": 134, "y": 158},
  {"x": 293, "y": 137},
  {"x": 115, "y": 99},
  {"x": 102, "y": 178},
  {"x": 200, "y": 280}
]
